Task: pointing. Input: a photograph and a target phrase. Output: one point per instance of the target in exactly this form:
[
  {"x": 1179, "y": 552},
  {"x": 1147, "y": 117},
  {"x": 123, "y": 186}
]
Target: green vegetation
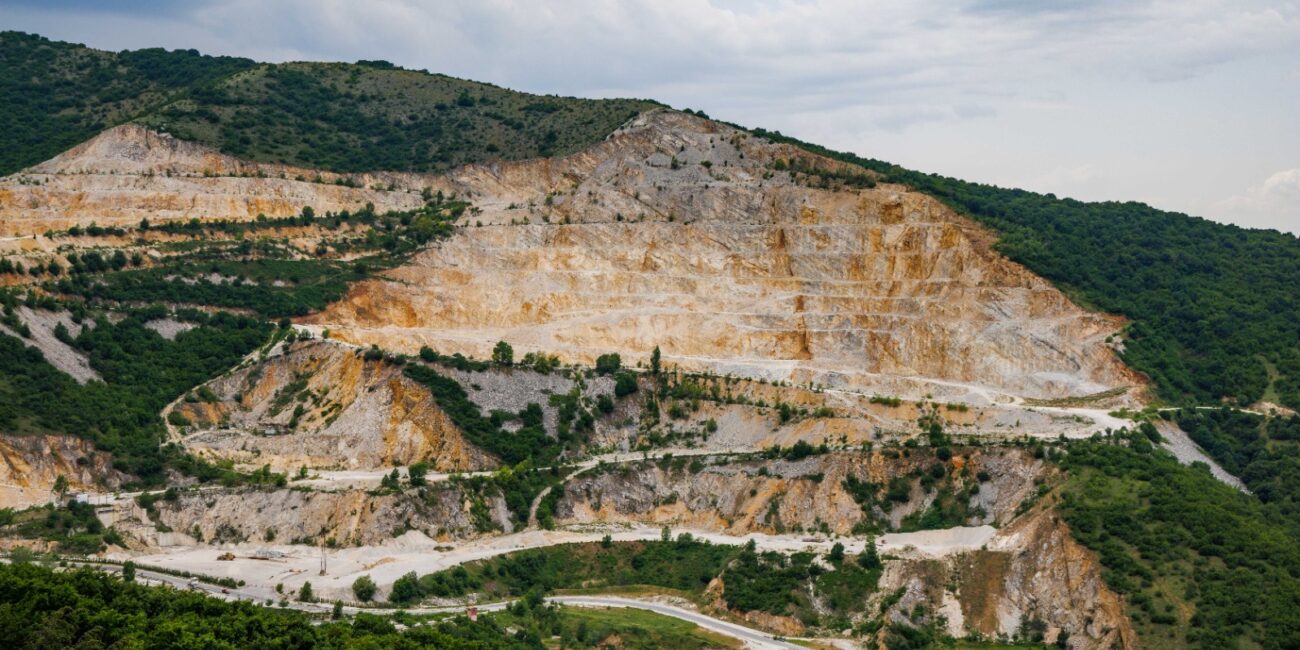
[
  {"x": 518, "y": 486},
  {"x": 86, "y": 608},
  {"x": 632, "y": 629},
  {"x": 769, "y": 582},
  {"x": 365, "y": 116},
  {"x": 1212, "y": 304},
  {"x": 142, "y": 373},
  {"x": 1200, "y": 564},
  {"x": 503, "y": 354},
  {"x": 73, "y": 526},
  {"x": 608, "y": 363},
  {"x": 951, "y": 505},
  {"x": 685, "y": 565},
  {"x": 529, "y": 442},
  {"x": 54, "y": 95},
  {"x": 363, "y": 588},
  {"x": 250, "y": 284},
  {"x": 222, "y": 269},
  {"x": 1264, "y": 452}
]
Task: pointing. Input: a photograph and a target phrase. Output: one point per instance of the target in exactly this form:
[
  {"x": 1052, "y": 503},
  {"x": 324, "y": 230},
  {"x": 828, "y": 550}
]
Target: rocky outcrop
[
  {"x": 349, "y": 517},
  {"x": 320, "y": 404},
  {"x": 730, "y": 253},
  {"x": 1031, "y": 579},
  {"x": 682, "y": 233},
  {"x": 30, "y": 465},
  {"x": 810, "y": 494},
  {"x": 41, "y": 325},
  {"x": 129, "y": 173}
]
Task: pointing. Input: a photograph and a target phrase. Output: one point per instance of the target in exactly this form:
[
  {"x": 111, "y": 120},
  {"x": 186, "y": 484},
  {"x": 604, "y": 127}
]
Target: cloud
[{"x": 1274, "y": 203}]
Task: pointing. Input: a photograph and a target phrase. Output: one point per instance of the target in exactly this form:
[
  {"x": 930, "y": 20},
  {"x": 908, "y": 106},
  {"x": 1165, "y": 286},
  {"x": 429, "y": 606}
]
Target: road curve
[{"x": 751, "y": 637}]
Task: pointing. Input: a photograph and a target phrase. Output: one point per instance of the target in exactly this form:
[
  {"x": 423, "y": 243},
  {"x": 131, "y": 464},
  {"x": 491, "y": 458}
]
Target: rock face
[
  {"x": 29, "y": 466},
  {"x": 680, "y": 233},
  {"x": 779, "y": 496},
  {"x": 129, "y": 173},
  {"x": 789, "y": 279},
  {"x": 1032, "y": 576},
  {"x": 41, "y": 324},
  {"x": 730, "y": 253},
  {"x": 1027, "y": 574},
  {"x": 324, "y": 405},
  {"x": 350, "y": 517}
]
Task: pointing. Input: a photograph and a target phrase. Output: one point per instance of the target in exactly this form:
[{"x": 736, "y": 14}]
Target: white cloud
[{"x": 1274, "y": 203}]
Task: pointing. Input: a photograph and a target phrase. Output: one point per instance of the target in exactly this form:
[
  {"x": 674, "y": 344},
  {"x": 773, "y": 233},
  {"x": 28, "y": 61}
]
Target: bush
[
  {"x": 406, "y": 589},
  {"x": 605, "y": 403},
  {"x": 417, "y": 473},
  {"x": 624, "y": 384},
  {"x": 608, "y": 363},
  {"x": 363, "y": 588},
  {"x": 503, "y": 354}
]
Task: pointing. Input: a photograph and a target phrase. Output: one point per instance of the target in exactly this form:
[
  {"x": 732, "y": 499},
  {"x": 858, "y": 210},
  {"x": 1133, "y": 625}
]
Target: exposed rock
[
  {"x": 351, "y": 517},
  {"x": 42, "y": 324},
  {"x": 30, "y": 464},
  {"x": 1187, "y": 452},
  {"x": 734, "y": 268},
  {"x": 168, "y": 328},
  {"x": 129, "y": 173},
  {"x": 1031, "y": 572},
  {"x": 323, "y": 405},
  {"x": 779, "y": 496}
]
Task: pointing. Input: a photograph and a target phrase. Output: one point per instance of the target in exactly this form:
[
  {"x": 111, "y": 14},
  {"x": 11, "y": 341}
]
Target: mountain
[
  {"x": 655, "y": 353},
  {"x": 1212, "y": 310},
  {"x": 365, "y": 116}
]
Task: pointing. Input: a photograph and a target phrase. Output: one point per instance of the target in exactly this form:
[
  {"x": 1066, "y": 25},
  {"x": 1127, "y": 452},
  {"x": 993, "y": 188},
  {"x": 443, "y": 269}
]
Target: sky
[{"x": 1188, "y": 105}]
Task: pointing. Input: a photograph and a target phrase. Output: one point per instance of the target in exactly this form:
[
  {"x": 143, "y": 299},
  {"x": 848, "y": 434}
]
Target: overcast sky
[{"x": 1189, "y": 105}]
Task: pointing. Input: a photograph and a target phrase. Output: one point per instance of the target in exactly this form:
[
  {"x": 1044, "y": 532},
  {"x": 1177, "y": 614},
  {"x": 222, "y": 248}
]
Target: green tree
[
  {"x": 870, "y": 559},
  {"x": 427, "y": 354},
  {"x": 128, "y": 571},
  {"x": 655, "y": 358},
  {"x": 305, "y": 595},
  {"x": 417, "y": 472},
  {"x": 624, "y": 384},
  {"x": 406, "y": 589},
  {"x": 608, "y": 363},
  {"x": 338, "y": 610},
  {"x": 503, "y": 354},
  {"x": 836, "y": 556},
  {"x": 363, "y": 588}
]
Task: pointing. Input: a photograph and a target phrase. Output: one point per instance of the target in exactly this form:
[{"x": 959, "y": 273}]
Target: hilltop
[{"x": 346, "y": 117}]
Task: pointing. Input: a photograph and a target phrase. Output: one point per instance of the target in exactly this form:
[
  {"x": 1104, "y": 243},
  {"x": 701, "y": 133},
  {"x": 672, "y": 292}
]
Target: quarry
[{"x": 814, "y": 358}]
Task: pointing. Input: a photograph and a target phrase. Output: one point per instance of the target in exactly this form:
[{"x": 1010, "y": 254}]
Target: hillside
[
  {"x": 343, "y": 117},
  {"x": 1211, "y": 306},
  {"x": 677, "y": 233},
  {"x": 1214, "y": 306},
  {"x": 54, "y": 95}
]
